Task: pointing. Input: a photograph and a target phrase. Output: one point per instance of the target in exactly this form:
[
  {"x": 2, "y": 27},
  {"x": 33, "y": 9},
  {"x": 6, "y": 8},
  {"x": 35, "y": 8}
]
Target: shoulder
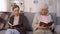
[
  {"x": 49, "y": 15},
  {"x": 36, "y": 15}
]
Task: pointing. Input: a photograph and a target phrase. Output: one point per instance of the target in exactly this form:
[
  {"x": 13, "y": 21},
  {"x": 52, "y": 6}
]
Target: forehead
[{"x": 16, "y": 8}]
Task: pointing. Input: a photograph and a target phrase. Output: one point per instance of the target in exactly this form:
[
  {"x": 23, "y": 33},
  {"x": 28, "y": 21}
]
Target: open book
[
  {"x": 46, "y": 24},
  {"x": 13, "y": 27}
]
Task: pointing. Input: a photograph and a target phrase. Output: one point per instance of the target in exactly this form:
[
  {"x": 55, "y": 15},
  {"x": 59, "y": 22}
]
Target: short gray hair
[{"x": 43, "y": 5}]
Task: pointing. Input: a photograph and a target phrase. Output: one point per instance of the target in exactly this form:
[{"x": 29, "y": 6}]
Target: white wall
[
  {"x": 30, "y": 6},
  {"x": 58, "y": 8},
  {"x": 3, "y": 5}
]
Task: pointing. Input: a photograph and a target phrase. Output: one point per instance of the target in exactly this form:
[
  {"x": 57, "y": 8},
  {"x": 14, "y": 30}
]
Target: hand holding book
[
  {"x": 14, "y": 26},
  {"x": 45, "y": 24}
]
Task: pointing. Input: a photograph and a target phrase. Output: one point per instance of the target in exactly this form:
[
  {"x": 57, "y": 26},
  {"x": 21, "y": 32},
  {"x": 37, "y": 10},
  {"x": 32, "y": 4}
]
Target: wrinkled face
[
  {"x": 16, "y": 11},
  {"x": 43, "y": 10}
]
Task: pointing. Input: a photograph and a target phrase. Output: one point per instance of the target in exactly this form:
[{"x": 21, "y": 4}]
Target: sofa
[{"x": 30, "y": 17}]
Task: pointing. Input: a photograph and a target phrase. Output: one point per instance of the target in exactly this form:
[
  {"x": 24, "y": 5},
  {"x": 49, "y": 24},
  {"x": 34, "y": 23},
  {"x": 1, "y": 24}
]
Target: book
[
  {"x": 13, "y": 27},
  {"x": 45, "y": 24},
  {"x": 17, "y": 26}
]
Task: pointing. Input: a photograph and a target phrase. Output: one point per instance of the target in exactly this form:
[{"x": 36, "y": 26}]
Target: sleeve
[
  {"x": 35, "y": 23},
  {"x": 10, "y": 20}
]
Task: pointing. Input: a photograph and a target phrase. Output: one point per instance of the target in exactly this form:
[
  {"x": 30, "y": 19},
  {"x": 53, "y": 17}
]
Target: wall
[
  {"x": 30, "y": 6},
  {"x": 58, "y": 12}
]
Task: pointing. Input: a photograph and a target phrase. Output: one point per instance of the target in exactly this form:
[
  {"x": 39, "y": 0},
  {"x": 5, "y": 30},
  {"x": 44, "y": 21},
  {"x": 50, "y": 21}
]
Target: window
[{"x": 3, "y": 5}]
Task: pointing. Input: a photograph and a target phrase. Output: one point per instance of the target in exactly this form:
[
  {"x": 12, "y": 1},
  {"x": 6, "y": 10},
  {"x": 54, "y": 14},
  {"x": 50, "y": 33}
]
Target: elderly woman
[{"x": 42, "y": 21}]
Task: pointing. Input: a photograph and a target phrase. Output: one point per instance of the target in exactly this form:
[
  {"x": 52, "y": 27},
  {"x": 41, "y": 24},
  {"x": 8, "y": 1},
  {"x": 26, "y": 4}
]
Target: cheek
[
  {"x": 45, "y": 12},
  {"x": 42, "y": 12},
  {"x": 15, "y": 12}
]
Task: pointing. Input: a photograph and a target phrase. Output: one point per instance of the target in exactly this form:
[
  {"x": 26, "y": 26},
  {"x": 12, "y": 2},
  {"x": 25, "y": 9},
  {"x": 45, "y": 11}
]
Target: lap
[
  {"x": 13, "y": 31},
  {"x": 42, "y": 32}
]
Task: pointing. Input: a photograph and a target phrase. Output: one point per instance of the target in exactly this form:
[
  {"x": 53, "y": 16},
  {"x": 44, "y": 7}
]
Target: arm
[
  {"x": 10, "y": 22},
  {"x": 52, "y": 26},
  {"x": 35, "y": 22}
]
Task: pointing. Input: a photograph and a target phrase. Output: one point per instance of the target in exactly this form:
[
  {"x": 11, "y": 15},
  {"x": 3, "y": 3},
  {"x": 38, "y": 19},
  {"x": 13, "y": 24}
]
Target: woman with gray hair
[{"x": 42, "y": 21}]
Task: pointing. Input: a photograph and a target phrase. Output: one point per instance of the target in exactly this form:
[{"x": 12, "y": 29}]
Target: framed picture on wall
[
  {"x": 35, "y": 1},
  {"x": 50, "y": 2}
]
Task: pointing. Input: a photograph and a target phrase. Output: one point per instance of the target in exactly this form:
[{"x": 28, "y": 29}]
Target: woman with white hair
[{"x": 42, "y": 21}]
